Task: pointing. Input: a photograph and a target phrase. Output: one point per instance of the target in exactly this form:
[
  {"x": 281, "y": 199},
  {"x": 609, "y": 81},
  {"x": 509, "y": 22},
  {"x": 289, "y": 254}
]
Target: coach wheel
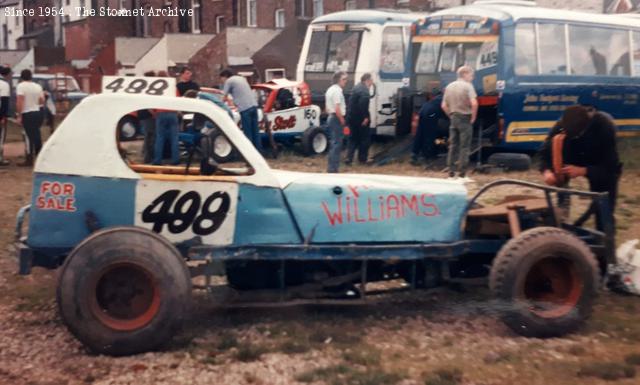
[
  {"x": 315, "y": 141},
  {"x": 124, "y": 291},
  {"x": 545, "y": 281}
]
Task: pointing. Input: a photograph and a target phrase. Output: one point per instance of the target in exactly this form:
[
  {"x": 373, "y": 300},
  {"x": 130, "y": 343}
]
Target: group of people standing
[
  {"x": 30, "y": 100},
  {"x": 352, "y": 121},
  {"x": 161, "y": 127}
]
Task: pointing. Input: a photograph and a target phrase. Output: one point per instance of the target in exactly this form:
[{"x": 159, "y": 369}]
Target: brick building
[{"x": 84, "y": 38}]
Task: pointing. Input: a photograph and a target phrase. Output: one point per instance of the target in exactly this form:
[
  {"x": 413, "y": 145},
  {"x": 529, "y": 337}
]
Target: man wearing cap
[
  {"x": 583, "y": 144},
  {"x": 5, "y": 92}
]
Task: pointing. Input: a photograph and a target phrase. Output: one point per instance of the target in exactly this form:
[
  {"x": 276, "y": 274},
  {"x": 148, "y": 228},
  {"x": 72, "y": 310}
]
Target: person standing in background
[
  {"x": 461, "y": 105},
  {"x": 424, "y": 141},
  {"x": 184, "y": 81},
  {"x": 359, "y": 120},
  {"x": 30, "y": 98},
  {"x": 245, "y": 99},
  {"x": 5, "y": 95},
  {"x": 336, "y": 109}
]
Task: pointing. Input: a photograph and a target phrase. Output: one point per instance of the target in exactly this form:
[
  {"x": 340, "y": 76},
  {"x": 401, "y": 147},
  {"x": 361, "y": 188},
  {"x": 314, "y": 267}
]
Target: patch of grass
[
  {"x": 336, "y": 334},
  {"x": 633, "y": 359},
  {"x": 444, "y": 376},
  {"x": 609, "y": 371},
  {"x": 248, "y": 352},
  {"x": 632, "y": 200},
  {"x": 499, "y": 357},
  {"x": 323, "y": 373},
  {"x": 577, "y": 350},
  {"x": 32, "y": 296},
  {"x": 365, "y": 356},
  {"x": 625, "y": 212},
  {"x": 345, "y": 375},
  {"x": 295, "y": 346},
  {"x": 227, "y": 341}
]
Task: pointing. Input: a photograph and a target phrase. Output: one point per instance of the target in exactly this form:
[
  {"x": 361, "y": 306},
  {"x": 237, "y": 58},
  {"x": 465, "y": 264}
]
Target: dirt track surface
[{"x": 439, "y": 337}]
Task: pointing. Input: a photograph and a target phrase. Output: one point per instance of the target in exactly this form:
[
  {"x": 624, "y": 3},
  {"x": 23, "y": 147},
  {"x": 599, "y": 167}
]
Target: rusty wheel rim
[
  {"x": 125, "y": 297},
  {"x": 552, "y": 287}
]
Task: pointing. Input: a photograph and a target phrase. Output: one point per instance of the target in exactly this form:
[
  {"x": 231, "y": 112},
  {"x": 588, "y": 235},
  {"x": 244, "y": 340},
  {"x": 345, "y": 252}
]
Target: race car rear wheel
[
  {"x": 545, "y": 281},
  {"x": 123, "y": 291},
  {"x": 315, "y": 141}
]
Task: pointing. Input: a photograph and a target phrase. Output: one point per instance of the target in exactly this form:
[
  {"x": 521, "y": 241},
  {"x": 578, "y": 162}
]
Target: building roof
[
  {"x": 369, "y": 16},
  {"x": 131, "y": 49},
  {"x": 277, "y": 52},
  {"x": 507, "y": 11},
  {"x": 181, "y": 47},
  {"x": 242, "y": 43},
  {"x": 11, "y": 57}
]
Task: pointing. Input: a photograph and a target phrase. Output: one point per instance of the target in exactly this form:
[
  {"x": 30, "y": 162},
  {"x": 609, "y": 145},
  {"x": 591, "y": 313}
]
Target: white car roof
[{"x": 85, "y": 142}]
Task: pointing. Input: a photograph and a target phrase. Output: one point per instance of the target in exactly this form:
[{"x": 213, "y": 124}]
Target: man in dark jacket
[
  {"x": 424, "y": 141},
  {"x": 583, "y": 144},
  {"x": 358, "y": 119}
]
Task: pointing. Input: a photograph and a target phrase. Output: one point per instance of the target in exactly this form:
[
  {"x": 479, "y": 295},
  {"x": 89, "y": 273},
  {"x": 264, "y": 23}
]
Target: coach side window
[
  {"x": 392, "y": 55},
  {"x": 552, "y": 44},
  {"x": 526, "y": 58},
  {"x": 599, "y": 51}
]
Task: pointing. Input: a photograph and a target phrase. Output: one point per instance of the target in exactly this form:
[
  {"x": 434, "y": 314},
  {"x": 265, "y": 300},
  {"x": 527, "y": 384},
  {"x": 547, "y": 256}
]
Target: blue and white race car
[{"x": 130, "y": 237}]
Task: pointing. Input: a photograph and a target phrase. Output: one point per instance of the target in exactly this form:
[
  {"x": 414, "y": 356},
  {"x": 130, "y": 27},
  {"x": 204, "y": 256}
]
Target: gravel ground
[{"x": 440, "y": 337}]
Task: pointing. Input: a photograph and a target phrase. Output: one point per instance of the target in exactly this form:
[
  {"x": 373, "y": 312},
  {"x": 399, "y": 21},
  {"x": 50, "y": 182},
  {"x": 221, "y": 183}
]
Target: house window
[
  {"x": 317, "y": 8},
  {"x": 146, "y": 23},
  {"x": 350, "y": 4},
  {"x": 280, "y": 19},
  {"x": 252, "y": 13},
  {"x": 274, "y": 73},
  {"x": 197, "y": 14},
  {"x": 17, "y": 21},
  {"x": 219, "y": 23},
  {"x": 300, "y": 8}
]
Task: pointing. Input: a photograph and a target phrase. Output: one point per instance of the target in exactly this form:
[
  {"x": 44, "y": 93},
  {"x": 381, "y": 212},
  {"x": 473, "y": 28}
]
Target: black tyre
[
  {"x": 545, "y": 281},
  {"x": 222, "y": 150},
  {"x": 128, "y": 128},
  {"x": 512, "y": 162},
  {"x": 315, "y": 141},
  {"x": 124, "y": 290}
]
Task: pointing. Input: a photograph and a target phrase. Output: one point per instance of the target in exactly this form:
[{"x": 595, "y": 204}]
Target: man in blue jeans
[
  {"x": 337, "y": 110},
  {"x": 166, "y": 131},
  {"x": 245, "y": 99}
]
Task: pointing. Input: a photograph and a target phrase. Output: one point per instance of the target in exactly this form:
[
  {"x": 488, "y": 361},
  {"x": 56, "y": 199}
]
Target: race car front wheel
[
  {"x": 545, "y": 281},
  {"x": 315, "y": 141},
  {"x": 124, "y": 291}
]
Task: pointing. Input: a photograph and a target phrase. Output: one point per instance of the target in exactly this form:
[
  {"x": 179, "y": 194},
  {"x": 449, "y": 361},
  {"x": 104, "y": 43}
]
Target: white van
[{"x": 357, "y": 42}]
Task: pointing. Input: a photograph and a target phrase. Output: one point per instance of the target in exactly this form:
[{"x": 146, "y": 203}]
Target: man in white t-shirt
[
  {"x": 5, "y": 94},
  {"x": 337, "y": 110},
  {"x": 30, "y": 97}
]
